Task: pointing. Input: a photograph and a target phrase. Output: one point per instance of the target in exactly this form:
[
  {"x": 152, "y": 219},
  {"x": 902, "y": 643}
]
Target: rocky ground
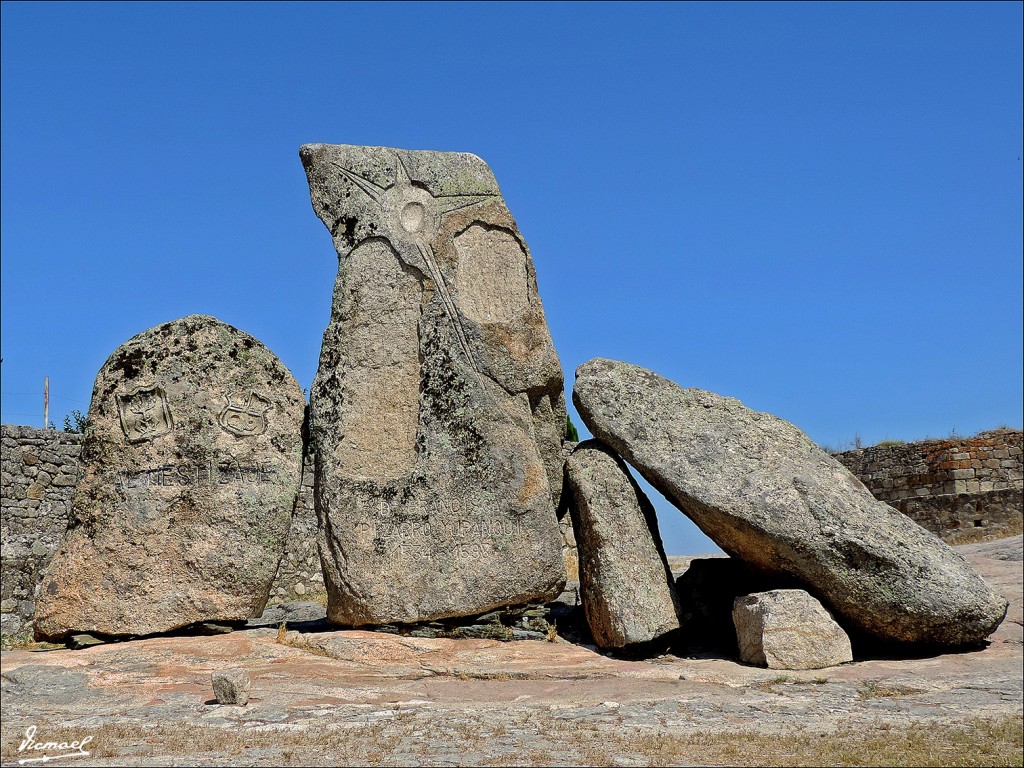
[{"x": 354, "y": 697}]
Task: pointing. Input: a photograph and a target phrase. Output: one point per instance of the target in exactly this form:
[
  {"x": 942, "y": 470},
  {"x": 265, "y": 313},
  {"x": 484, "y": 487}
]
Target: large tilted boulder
[
  {"x": 626, "y": 586},
  {"x": 788, "y": 629},
  {"x": 765, "y": 493},
  {"x": 438, "y": 409},
  {"x": 191, "y": 465}
]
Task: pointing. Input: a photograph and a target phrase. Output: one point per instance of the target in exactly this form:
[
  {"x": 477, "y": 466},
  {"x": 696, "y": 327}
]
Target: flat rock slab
[
  {"x": 191, "y": 465},
  {"x": 765, "y": 493},
  {"x": 385, "y": 698},
  {"x": 788, "y": 629},
  {"x": 626, "y": 587},
  {"x": 438, "y": 408}
]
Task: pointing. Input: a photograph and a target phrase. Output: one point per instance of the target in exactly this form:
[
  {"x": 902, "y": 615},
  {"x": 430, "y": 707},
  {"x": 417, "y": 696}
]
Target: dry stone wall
[
  {"x": 39, "y": 471},
  {"x": 962, "y": 489}
]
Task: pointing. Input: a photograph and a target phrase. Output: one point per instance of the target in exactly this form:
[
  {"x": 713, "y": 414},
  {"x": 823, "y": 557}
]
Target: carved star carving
[{"x": 412, "y": 216}]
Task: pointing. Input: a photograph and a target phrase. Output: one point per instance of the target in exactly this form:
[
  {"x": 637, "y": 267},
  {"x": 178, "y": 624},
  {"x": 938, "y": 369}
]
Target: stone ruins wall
[
  {"x": 38, "y": 472},
  {"x": 962, "y": 489}
]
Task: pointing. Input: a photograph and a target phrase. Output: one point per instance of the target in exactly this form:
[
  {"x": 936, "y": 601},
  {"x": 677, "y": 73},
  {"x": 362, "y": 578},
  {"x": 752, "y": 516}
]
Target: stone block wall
[
  {"x": 38, "y": 472},
  {"x": 962, "y": 489}
]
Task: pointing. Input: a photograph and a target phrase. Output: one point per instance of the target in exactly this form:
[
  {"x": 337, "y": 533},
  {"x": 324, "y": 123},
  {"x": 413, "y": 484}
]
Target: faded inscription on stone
[{"x": 219, "y": 471}]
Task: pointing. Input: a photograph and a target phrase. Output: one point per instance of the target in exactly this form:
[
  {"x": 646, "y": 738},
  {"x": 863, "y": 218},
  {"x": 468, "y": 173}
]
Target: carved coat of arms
[
  {"x": 144, "y": 413},
  {"x": 246, "y": 418}
]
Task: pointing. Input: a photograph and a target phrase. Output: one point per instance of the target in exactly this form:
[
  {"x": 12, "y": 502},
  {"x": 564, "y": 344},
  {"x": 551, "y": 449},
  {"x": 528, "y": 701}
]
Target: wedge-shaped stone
[
  {"x": 788, "y": 629},
  {"x": 626, "y": 586},
  {"x": 438, "y": 409},
  {"x": 191, "y": 464},
  {"x": 765, "y": 493}
]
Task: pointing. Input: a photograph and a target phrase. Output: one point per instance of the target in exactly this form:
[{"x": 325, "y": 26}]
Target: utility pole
[{"x": 46, "y": 403}]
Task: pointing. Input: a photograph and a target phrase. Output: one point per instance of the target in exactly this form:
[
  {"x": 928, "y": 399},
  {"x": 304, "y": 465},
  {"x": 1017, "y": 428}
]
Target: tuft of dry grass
[
  {"x": 875, "y": 690},
  {"x": 770, "y": 684}
]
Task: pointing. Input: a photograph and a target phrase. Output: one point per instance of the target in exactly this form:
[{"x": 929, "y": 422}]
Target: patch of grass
[
  {"x": 500, "y": 676},
  {"x": 873, "y": 690},
  {"x": 26, "y": 643},
  {"x": 537, "y": 738},
  {"x": 769, "y": 685},
  {"x": 978, "y": 741}
]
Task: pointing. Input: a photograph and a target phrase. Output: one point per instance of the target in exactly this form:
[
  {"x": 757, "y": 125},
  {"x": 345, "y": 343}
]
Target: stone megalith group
[{"x": 435, "y": 424}]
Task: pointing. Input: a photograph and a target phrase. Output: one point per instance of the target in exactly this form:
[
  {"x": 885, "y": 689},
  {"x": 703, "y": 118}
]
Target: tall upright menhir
[{"x": 438, "y": 407}]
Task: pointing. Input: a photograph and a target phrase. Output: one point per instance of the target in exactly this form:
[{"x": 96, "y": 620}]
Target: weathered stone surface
[
  {"x": 437, "y": 410},
  {"x": 191, "y": 466},
  {"x": 788, "y": 629},
  {"x": 231, "y": 686},
  {"x": 626, "y": 587},
  {"x": 765, "y": 493}
]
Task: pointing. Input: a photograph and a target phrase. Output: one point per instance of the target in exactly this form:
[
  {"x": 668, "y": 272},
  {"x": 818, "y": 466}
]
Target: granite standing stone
[
  {"x": 626, "y": 586},
  {"x": 191, "y": 465},
  {"x": 788, "y": 629},
  {"x": 765, "y": 493},
  {"x": 438, "y": 409}
]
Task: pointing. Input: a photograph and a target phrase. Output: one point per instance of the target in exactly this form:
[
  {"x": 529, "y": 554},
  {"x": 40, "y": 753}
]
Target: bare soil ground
[{"x": 353, "y": 697}]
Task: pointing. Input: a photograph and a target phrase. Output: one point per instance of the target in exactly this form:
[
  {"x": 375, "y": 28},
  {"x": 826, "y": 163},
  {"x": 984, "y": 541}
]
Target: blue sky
[{"x": 815, "y": 208}]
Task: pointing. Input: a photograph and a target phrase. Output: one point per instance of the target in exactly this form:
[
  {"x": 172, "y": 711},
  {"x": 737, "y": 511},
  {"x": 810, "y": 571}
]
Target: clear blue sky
[{"x": 813, "y": 208}]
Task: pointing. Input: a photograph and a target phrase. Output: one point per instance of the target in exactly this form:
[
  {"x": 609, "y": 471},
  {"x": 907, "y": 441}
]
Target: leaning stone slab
[
  {"x": 438, "y": 409},
  {"x": 788, "y": 629},
  {"x": 626, "y": 586},
  {"x": 765, "y": 493},
  {"x": 191, "y": 465}
]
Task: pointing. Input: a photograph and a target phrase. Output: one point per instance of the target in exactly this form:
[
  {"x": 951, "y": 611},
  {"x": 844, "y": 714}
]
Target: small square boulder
[{"x": 788, "y": 629}]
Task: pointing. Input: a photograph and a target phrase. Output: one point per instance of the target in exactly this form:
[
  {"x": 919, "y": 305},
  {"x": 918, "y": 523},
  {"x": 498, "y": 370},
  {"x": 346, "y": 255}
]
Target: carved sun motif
[{"x": 413, "y": 216}]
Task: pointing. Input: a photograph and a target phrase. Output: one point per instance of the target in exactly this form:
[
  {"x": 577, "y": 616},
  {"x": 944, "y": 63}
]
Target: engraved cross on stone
[{"x": 413, "y": 216}]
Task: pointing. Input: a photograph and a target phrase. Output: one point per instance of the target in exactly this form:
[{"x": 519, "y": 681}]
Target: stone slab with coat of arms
[{"x": 191, "y": 464}]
